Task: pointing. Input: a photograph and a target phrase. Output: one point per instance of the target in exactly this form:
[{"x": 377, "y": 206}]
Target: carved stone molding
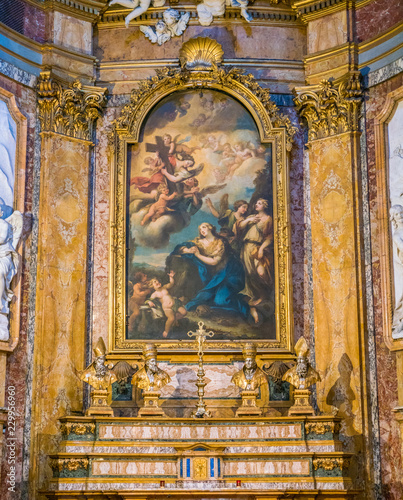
[
  {"x": 70, "y": 111},
  {"x": 330, "y": 108}
]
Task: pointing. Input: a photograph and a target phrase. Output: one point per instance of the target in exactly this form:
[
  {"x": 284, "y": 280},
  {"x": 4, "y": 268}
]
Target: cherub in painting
[
  {"x": 141, "y": 289},
  {"x": 243, "y": 152},
  {"x": 160, "y": 207},
  {"x": 149, "y": 184},
  {"x": 177, "y": 146},
  {"x": 171, "y": 306}
]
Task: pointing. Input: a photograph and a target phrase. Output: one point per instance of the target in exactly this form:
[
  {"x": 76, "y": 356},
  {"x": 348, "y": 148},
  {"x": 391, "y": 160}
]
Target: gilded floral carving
[
  {"x": 70, "y": 464},
  {"x": 79, "y": 429},
  {"x": 322, "y": 427},
  {"x": 330, "y": 108},
  {"x": 70, "y": 111},
  {"x": 329, "y": 464}
]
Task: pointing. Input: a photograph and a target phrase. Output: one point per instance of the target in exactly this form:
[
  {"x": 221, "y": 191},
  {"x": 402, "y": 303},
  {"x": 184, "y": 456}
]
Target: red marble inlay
[{"x": 377, "y": 17}]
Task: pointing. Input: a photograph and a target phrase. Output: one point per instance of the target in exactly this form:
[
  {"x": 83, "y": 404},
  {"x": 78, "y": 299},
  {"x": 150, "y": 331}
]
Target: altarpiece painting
[
  {"x": 200, "y": 222},
  {"x": 201, "y": 206}
]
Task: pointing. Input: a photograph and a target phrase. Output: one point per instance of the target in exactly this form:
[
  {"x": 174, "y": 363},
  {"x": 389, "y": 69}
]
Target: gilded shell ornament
[{"x": 199, "y": 54}]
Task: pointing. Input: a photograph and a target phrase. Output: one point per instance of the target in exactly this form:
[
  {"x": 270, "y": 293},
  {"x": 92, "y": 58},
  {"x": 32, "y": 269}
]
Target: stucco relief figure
[
  {"x": 138, "y": 6},
  {"x": 250, "y": 377},
  {"x": 10, "y": 234},
  {"x": 396, "y": 217},
  {"x": 97, "y": 374},
  {"x": 150, "y": 377},
  {"x": 209, "y": 9},
  {"x": 302, "y": 375},
  {"x": 174, "y": 24}
]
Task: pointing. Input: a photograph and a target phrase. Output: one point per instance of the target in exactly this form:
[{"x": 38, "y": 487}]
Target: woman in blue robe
[{"x": 221, "y": 272}]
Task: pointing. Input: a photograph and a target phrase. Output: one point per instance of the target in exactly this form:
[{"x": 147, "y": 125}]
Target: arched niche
[{"x": 273, "y": 130}]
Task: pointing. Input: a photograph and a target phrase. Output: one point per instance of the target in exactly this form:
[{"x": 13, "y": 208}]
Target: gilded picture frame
[{"x": 273, "y": 128}]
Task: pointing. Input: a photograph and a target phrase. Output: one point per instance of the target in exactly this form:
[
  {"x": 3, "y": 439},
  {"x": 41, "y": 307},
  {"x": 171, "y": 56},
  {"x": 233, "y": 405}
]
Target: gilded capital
[
  {"x": 69, "y": 110},
  {"x": 330, "y": 108}
]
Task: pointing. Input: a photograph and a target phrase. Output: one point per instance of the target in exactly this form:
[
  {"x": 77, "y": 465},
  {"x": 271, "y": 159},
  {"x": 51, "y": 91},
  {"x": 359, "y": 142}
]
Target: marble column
[
  {"x": 332, "y": 113},
  {"x": 67, "y": 117}
]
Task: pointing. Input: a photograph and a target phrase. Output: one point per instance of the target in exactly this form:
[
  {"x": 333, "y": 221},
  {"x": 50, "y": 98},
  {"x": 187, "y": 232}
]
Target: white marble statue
[
  {"x": 173, "y": 24},
  {"x": 396, "y": 217},
  {"x": 209, "y": 9},
  {"x": 10, "y": 234},
  {"x": 138, "y": 6}
]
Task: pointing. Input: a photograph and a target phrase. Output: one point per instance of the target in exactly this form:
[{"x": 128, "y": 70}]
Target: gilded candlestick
[{"x": 201, "y": 335}]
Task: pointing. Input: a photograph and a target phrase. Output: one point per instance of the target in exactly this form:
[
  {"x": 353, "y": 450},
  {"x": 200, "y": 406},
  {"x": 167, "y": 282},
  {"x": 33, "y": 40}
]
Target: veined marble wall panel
[
  {"x": 391, "y": 461},
  {"x": 134, "y": 468},
  {"x": 299, "y": 213},
  {"x": 212, "y": 432},
  {"x": 327, "y": 32},
  {"x": 272, "y": 42},
  {"x": 184, "y": 378},
  {"x": 72, "y": 33},
  {"x": 376, "y": 17},
  {"x": 257, "y": 468},
  {"x": 60, "y": 304},
  {"x": 102, "y": 181},
  {"x": 336, "y": 295},
  {"x": 120, "y": 78}
]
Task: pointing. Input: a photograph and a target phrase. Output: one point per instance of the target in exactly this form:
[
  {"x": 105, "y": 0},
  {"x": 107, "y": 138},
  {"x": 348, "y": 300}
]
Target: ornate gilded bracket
[
  {"x": 330, "y": 108},
  {"x": 70, "y": 111}
]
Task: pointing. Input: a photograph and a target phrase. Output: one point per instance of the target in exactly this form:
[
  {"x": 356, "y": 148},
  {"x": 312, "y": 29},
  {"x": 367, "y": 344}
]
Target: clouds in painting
[
  {"x": 156, "y": 235},
  {"x": 206, "y": 123}
]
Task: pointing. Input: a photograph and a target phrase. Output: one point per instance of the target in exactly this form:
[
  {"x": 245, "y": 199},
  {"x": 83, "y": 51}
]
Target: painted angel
[
  {"x": 138, "y": 6},
  {"x": 195, "y": 195},
  {"x": 10, "y": 234},
  {"x": 226, "y": 217}
]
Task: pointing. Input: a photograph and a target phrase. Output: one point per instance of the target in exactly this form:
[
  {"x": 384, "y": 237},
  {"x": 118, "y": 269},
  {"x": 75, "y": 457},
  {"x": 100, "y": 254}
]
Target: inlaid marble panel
[
  {"x": 200, "y": 432},
  {"x": 266, "y": 467},
  {"x": 133, "y": 468}
]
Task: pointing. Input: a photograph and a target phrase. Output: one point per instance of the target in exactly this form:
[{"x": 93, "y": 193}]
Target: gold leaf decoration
[
  {"x": 201, "y": 53},
  {"x": 331, "y": 463},
  {"x": 69, "y": 111},
  {"x": 331, "y": 109}
]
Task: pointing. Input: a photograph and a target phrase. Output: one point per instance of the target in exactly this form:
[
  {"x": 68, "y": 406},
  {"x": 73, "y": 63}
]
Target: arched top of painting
[
  {"x": 203, "y": 112},
  {"x": 231, "y": 83}
]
